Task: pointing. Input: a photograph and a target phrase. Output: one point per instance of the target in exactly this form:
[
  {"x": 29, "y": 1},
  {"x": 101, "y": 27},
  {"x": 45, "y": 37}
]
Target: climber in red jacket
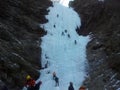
[{"x": 31, "y": 85}]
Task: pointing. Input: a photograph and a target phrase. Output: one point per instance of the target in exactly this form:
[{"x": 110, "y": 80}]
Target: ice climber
[{"x": 30, "y": 83}]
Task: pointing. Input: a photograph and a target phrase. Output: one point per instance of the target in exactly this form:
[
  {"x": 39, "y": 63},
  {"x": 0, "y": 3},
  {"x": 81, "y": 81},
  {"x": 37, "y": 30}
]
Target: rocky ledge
[
  {"x": 101, "y": 20},
  {"x": 20, "y": 40}
]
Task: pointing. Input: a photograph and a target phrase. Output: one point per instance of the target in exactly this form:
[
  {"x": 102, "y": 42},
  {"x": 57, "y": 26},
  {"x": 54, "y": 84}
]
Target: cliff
[
  {"x": 20, "y": 40},
  {"x": 101, "y": 20}
]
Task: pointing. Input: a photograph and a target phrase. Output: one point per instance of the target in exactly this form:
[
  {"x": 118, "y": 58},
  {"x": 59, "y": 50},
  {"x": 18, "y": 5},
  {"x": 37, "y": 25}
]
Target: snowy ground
[{"x": 63, "y": 48}]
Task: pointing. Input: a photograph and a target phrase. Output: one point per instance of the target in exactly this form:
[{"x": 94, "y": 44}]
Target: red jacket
[{"x": 30, "y": 83}]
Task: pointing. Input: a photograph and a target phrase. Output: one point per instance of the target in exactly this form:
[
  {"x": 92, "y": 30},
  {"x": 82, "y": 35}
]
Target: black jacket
[
  {"x": 56, "y": 79},
  {"x": 70, "y": 87}
]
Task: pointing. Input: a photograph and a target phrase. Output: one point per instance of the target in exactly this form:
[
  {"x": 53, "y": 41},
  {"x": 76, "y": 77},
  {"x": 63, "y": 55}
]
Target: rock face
[
  {"x": 102, "y": 19},
  {"x": 20, "y": 40}
]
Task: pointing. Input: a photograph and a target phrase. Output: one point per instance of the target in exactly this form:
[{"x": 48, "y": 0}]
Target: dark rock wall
[
  {"x": 20, "y": 40},
  {"x": 102, "y": 21}
]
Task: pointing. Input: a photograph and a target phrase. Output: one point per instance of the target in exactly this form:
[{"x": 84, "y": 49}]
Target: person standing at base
[
  {"x": 71, "y": 86},
  {"x": 30, "y": 83}
]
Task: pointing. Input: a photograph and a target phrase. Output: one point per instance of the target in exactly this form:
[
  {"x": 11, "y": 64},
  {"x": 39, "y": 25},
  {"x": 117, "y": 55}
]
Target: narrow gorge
[{"x": 20, "y": 40}]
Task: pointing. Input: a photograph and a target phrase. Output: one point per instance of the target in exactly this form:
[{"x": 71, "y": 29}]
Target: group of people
[{"x": 31, "y": 85}]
